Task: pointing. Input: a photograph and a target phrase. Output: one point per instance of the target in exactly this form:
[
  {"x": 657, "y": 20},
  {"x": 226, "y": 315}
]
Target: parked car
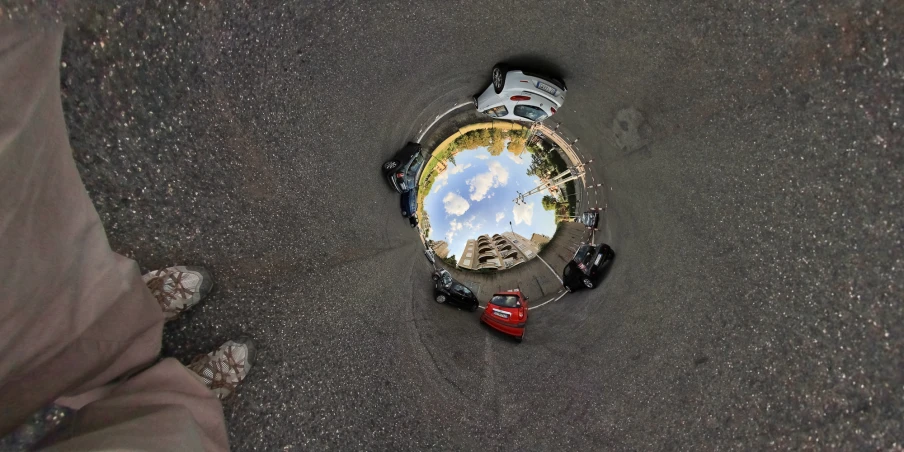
[
  {"x": 584, "y": 268},
  {"x": 408, "y": 202},
  {"x": 442, "y": 274},
  {"x": 517, "y": 95},
  {"x": 448, "y": 290},
  {"x": 402, "y": 169},
  {"x": 431, "y": 255},
  {"x": 507, "y": 312},
  {"x": 591, "y": 219}
]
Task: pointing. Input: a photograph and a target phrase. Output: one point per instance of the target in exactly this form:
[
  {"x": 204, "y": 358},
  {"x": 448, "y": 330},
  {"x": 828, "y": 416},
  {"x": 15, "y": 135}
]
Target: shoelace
[
  {"x": 166, "y": 296},
  {"x": 218, "y": 369}
]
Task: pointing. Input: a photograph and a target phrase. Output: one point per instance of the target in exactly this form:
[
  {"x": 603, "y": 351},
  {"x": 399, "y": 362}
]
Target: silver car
[{"x": 516, "y": 95}]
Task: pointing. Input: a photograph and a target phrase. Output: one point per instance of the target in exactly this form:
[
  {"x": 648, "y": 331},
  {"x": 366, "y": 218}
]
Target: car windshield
[
  {"x": 582, "y": 253},
  {"x": 509, "y": 301},
  {"x": 530, "y": 112},
  {"x": 447, "y": 280},
  {"x": 461, "y": 289},
  {"x": 496, "y": 112},
  {"x": 415, "y": 165}
]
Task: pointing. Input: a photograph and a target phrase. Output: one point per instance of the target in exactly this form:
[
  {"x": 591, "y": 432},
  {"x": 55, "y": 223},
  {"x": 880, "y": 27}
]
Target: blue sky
[{"x": 474, "y": 197}]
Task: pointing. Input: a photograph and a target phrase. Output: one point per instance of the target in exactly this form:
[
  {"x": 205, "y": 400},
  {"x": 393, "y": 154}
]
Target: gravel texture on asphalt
[{"x": 752, "y": 160}]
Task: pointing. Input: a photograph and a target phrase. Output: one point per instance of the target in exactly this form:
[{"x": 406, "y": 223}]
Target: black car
[
  {"x": 402, "y": 169},
  {"x": 590, "y": 219},
  {"x": 412, "y": 220},
  {"x": 585, "y": 266},
  {"x": 448, "y": 290},
  {"x": 408, "y": 202}
]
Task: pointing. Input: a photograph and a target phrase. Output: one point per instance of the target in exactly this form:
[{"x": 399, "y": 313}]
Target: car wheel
[
  {"x": 519, "y": 338},
  {"x": 390, "y": 165},
  {"x": 435, "y": 278},
  {"x": 475, "y": 101},
  {"x": 499, "y": 72},
  {"x": 588, "y": 283},
  {"x": 440, "y": 298},
  {"x": 474, "y": 307},
  {"x": 560, "y": 83}
]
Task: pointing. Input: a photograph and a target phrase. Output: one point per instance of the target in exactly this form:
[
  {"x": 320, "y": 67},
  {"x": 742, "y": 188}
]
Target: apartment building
[
  {"x": 441, "y": 248},
  {"x": 501, "y": 251},
  {"x": 526, "y": 247},
  {"x": 539, "y": 239}
]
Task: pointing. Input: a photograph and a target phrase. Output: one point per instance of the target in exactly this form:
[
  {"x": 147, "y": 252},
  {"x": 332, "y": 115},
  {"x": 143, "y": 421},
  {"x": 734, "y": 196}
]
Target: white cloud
[
  {"x": 516, "y": 158},
  {"x": 500, "y": 216},
  {"x": 483, "y": 156},
  {"x": 523, "y": 213},
  {"x": 440, "y": 180},
  {"x": 497, "y": 176},
  {"x": 443, "y": 178},
  {"x": 454, "y": 227},
  {"x": 459, "y": 168},
  {"x": 455, "y": 204},
  {"x": 469, "y": 225}
]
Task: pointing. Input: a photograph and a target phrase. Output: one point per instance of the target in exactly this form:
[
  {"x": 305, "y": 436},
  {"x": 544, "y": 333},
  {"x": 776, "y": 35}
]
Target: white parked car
[{"x": 521, "y": 96}]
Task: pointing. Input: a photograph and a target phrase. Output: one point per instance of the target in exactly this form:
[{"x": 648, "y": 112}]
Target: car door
[{"x": 459, "y": 295}]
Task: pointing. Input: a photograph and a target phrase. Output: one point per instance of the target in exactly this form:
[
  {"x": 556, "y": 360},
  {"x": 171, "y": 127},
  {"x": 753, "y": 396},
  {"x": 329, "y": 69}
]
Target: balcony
[
  {"x": 513, "y": 254},
  {"x": 486, "y": 258}
]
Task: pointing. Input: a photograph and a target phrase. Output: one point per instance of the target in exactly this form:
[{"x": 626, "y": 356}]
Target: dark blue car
[
  {"x": 403, "y": 169},
  {"x": 408, "y": 202}
]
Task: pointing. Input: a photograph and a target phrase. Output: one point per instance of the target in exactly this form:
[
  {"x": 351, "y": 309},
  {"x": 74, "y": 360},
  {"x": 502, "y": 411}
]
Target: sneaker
[
  {"x": 178, "y": 289},
  {"x": 222, "y": 370}
]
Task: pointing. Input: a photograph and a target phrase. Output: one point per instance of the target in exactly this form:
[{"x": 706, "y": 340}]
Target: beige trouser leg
[
  {"x": 162, "y": 408},
  {"x": 73, "y": 314}
]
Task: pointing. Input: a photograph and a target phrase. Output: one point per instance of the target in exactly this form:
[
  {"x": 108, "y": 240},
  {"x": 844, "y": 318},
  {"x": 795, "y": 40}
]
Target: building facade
[
  {"x": 526, "y": 247},
  {"x": 539, "y": 239},
  {"x": 501, "y": 251},
  {"x": 441, "y": 248},
  {"x": 468, "y": 257}
]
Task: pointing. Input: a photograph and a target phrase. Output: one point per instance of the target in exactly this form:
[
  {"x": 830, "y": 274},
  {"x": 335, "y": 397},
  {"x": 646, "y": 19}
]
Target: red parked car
[{"x": 507, "y": 312}]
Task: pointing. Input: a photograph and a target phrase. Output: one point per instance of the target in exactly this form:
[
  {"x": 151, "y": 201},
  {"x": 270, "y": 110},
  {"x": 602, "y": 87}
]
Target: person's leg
[
  {"x": 73, "y": 314},
  {"x": 165, "y": 407}
]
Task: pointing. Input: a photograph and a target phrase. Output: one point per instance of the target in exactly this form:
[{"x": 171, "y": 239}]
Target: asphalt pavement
[{"x": 751, "y": 156}]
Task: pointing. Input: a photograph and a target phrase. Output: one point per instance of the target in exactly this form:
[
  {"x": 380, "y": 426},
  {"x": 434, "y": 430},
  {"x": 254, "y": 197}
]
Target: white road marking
[
  {"x": 440, "y": 117},
  {"x": 550, "y": 269},
  {"x": 550, "y": 301}
]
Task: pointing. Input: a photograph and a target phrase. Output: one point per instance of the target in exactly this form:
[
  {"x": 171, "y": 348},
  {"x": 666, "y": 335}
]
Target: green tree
[
  {"x": 450, "y": 261},
  {"x": 496, "y": 147},
  {"x": 516, "y": 145},
  {"x": 550, "y": 203}
]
